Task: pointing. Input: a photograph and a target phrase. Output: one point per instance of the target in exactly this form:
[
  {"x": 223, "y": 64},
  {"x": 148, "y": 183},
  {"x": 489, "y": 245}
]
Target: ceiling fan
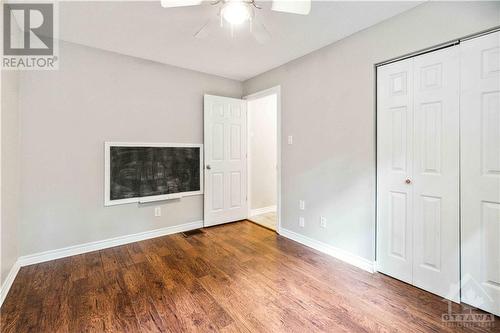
[{"x": 237, "y": 12}]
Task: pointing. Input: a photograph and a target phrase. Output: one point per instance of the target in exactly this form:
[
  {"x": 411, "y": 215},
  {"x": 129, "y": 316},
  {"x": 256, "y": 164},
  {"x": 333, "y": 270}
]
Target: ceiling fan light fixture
[{"x": 236, "y": 12}]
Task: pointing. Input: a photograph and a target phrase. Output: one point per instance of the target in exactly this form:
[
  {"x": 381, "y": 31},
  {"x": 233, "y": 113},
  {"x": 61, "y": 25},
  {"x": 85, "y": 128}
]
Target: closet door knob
[
  {"x": 209, "y": 167},
  {"x": 408, "y": 181}
]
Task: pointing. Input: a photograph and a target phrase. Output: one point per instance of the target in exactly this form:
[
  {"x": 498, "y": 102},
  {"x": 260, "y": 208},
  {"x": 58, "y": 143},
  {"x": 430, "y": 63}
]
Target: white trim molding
[
  {"x": 263, "y": 210},
  {"x": 333, "y": 251},
  {"x": 266, "y": 92},
  {"x": 4, "y": 290},
  {"x": 89, "y": 247}
]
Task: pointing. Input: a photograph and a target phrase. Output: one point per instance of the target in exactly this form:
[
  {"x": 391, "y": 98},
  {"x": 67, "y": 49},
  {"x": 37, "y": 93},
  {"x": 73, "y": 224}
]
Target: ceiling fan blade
[
  {"x": 260, "y": 32},
  {"x": 302, "y": 7},
  {"x": 179, "y": 3},
  {"x": 208, "y": 28}
]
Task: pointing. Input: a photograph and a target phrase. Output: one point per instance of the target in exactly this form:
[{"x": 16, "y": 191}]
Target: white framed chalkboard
[{"x": 144, "y": 172}]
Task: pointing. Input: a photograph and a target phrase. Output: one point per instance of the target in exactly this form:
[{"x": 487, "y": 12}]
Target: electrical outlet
[
  {"x": 157, "y": 211},
  {"x": 302, "y": 204},
  {"x": 290, "y": 139},
  {"x": 322, "y": 221},
  {"x": 302, "y": 222}
]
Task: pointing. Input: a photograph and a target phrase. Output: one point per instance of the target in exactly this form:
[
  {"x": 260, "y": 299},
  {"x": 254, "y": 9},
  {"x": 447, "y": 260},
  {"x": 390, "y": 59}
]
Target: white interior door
[
  {"x": 418, "y": 171},
  {"x": 394, "y": 166},
  {"x": 435, "y": 180},
  {"x": 225, "y": 131},
  {"x": 480, "y": 174}
]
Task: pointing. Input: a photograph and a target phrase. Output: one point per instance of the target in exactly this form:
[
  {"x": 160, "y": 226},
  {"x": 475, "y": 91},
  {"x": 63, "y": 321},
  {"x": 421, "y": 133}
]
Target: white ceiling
[{"x": 146, "y": 30}]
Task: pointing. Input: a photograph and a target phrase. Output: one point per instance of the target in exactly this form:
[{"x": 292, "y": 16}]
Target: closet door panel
[
  {"x": 436, "y": 172},
  {"x": 394, "y": 156},
  {"x": 480, "y": 171}
]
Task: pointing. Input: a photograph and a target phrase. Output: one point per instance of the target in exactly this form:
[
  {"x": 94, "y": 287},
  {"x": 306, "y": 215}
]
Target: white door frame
[{"x": 263, "y": 93}]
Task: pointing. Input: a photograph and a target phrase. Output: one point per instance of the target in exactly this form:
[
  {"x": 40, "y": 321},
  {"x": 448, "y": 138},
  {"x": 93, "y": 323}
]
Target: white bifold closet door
[
  {"x": 480, "y": 171},
  {"x": 394, "y": 167},
  {"x": 418, "y": 171}
]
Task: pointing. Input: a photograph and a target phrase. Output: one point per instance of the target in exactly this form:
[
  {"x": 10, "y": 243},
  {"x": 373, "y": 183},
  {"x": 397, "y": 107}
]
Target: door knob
[
  {"x": 408, "y": 181},
  {"x": 209, "y": 167}
]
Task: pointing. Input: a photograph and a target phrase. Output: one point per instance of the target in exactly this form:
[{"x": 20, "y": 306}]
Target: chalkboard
[{"x": 143, "y": 171}]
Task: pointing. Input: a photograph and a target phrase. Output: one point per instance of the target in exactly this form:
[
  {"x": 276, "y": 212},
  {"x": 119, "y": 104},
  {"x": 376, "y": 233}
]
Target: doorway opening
[{"x": 263, "y": 160}]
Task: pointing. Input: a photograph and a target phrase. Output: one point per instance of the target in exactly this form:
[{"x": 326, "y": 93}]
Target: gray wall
[
  {"x": 262, "y": 125},
  {"x": 10, "y": 172},
  {"x": 328, "y": 106},
  {"x": 66, "y": 116}
]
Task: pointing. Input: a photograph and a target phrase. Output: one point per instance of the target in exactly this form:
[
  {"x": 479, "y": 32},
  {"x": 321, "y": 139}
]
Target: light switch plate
[
  {"x": 290, "y": 139},
  {"x": 302, "y": 205}
]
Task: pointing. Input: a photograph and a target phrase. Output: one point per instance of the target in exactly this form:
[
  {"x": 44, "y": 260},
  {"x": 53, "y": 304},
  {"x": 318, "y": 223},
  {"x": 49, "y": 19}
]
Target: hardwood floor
[{"x": 237, "y": 277}]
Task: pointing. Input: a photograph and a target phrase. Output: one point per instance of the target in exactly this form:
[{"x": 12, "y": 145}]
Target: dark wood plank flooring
[{"x": 238, "y": 277}]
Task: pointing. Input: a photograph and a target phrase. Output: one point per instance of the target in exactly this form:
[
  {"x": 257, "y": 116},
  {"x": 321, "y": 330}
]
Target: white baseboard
[
  {"x": 263, "y": 210},
  {"x": 89, "y": 247},
  {"x": 335, "y": 252},
  {"x": 104, "y": 244},
  {"x": 4, "y": 290}
]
